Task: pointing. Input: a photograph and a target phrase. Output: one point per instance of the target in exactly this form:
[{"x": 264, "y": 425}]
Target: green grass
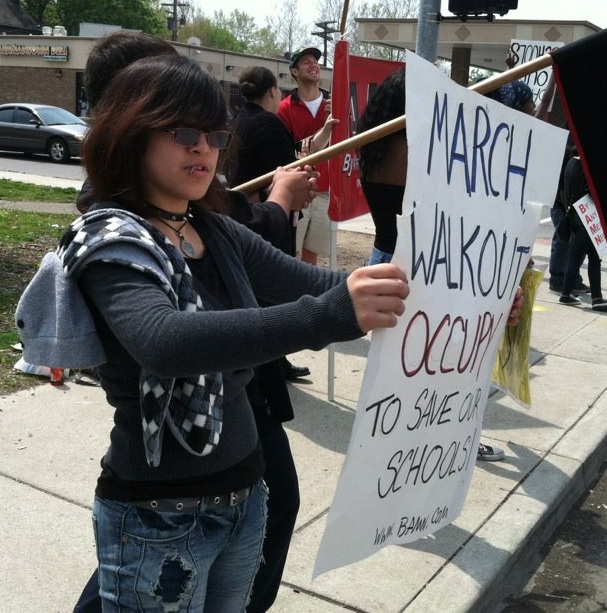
[
  {"x": 15, "y": 191},
  {"x": 24, "y": 239}
]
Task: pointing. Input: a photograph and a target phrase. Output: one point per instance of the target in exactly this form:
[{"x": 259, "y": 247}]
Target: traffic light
[{"x": 465, "y": 8}]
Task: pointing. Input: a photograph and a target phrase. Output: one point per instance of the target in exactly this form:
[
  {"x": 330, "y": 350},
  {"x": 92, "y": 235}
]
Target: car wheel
[{"x": 57, "y": 149}]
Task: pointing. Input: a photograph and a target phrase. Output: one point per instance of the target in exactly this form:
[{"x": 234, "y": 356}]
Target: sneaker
[
  {"x": 582, "y": 288},
  {"x": 599, "y": 304},
  {"x": 555, "y": 287},
  {"x": 570, "y": 301},
  {"x": 489, "y": 454}
]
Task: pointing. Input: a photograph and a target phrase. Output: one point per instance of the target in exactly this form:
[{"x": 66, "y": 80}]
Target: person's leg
[
  {"x": 202, "y": 560},
  {"x": 594, "y": 269},
  {"x": 145, "y": 558},
  {"x": 231, "y": 575},
  {"x": 577, "y": 253},
  {"x": 90, "y": 601},
  {"x": 379, "y": 257},
  {"x": 302, "y": 229},
  {"x": 317, "y": 240},
  {"x": 558, "y": 252},
  {"x": 283, "y": 505}
]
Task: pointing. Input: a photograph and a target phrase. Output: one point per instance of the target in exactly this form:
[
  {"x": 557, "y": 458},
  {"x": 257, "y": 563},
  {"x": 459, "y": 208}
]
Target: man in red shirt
[{"x": 306, "y": 112}]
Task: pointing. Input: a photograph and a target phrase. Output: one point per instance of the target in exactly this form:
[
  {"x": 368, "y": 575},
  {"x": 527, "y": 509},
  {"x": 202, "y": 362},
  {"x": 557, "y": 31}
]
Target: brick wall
[{"x": 40, "y": 86}]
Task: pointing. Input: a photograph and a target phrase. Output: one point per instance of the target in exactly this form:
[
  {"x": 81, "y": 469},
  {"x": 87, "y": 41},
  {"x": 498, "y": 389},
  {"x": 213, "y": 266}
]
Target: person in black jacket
[
  {"x": 580, "y": 245},
  {"x": 268, "y": 391},
  {"x": 261, "y": 143}
]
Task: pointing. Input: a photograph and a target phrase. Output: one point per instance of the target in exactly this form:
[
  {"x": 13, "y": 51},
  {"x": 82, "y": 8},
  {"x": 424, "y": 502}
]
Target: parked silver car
[{"x": 40, "y": 128}]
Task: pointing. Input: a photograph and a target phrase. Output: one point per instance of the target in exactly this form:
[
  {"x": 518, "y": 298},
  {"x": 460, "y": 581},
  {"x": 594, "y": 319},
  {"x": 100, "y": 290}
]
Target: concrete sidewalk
[
  {"x": 52, "y": 440},
  {"x": 48, "y": 181}
]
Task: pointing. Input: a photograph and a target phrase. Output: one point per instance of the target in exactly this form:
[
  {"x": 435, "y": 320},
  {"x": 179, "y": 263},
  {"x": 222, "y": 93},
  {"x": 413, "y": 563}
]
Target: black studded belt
[{"x": 177, "y": 505}]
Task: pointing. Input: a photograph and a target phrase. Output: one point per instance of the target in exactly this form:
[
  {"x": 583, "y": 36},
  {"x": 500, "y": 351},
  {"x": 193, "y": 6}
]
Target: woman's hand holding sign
[
  {"x": 516, "y": 308},
  {"x": 377, "y": 294}
]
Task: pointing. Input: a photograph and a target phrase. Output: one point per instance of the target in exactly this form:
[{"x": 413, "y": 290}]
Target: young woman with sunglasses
[{"x": 171, "y": 285}]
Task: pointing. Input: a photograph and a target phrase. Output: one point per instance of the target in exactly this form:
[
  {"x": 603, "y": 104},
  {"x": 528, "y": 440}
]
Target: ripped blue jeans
[{"x": 203, "y": 560}]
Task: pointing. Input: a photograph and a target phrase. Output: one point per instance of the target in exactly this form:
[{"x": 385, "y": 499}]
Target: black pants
[{"x": 283, "y": 505}]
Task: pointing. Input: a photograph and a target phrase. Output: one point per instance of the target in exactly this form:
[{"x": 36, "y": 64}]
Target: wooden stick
[{"x": 394, "y": 125}]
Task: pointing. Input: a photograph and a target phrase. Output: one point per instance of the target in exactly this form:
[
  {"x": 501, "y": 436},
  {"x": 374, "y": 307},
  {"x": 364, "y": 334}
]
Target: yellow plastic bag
[{"x": 511, "y": 368}]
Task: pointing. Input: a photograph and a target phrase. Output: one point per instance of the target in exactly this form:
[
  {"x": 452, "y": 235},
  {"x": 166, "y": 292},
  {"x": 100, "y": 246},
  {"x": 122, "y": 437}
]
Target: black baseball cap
[{"x": 297, "y": 55}]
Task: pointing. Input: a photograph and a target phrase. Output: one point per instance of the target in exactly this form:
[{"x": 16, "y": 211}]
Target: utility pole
[
  {"x": 426, "y": 44},
  {"x": 325, "y": 34},
  {"x": 172, "y": 21}
]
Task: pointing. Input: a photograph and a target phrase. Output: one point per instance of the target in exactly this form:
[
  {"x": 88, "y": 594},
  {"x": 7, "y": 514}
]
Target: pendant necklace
[{"x": 186, "y": 247}]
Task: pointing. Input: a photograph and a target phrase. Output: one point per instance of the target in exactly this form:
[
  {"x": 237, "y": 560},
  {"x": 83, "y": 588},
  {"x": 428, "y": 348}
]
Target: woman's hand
[
  {"x": 378, "y": 293},
  {"x": 516, "y": 308},
  {"x": 295, "y": 188}
]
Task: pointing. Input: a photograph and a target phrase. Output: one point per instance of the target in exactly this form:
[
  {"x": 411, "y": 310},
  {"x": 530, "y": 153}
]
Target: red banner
[{"x": 354, "y": 79}]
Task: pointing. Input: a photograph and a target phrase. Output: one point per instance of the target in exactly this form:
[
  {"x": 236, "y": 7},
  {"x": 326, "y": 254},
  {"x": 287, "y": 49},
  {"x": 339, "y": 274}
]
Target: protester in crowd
[
  {"x": 171, "y": 290},
  {"x": 516, "y": 94},
  {"x": 261, "y": 143},
  {"x": 382, "y": 164},
  {"x": 559, "y": 249},
  {"x": 576, "y": 187},
  {"x": 267, "y": 391},
  {"x": 306, "y": 112}
]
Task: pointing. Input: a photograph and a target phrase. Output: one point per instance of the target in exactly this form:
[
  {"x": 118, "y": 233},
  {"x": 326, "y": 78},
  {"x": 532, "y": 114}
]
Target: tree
[
  {"x": 135, "y": 14},
  {"x": 211, "y": 35},
  {"x": 266, "y": 44},
  {"x": 331, "y": 10},
  {"x": 37, "y": 9},
  {"x": 241, "y": 25},
  {"x": 286, "y": 24}
]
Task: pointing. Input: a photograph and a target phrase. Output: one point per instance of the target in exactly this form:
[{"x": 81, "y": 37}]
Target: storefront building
[{"x": 49, "y": 70}]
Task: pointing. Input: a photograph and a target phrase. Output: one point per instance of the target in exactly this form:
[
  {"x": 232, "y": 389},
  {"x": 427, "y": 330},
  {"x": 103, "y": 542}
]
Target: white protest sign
[
  {"x": 522, "y": 51},
  {"x": 477, "y": 175},
  {"x": 586, "y": 209}
]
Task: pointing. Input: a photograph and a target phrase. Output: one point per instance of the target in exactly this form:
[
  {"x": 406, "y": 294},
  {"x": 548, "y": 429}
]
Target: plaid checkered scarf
[{"x": 190, "y": 406}]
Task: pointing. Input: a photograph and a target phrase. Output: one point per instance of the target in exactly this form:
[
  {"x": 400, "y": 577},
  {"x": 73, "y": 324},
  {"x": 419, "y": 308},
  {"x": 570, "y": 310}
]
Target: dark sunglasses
[{"x": 189, "y": 137}]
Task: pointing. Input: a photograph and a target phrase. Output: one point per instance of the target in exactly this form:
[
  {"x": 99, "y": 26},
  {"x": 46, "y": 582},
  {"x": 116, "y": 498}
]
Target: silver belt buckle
[{"x": 233, "y": 499}]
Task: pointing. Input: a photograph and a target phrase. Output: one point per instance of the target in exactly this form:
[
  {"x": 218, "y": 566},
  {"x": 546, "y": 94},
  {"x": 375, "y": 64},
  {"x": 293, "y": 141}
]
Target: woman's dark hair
[
  {"x": 114, "y": 52},
  {"x": 255, "y": 81},
  {"x": 385, "y": 104},
  {"x": 156, "y": 93}
]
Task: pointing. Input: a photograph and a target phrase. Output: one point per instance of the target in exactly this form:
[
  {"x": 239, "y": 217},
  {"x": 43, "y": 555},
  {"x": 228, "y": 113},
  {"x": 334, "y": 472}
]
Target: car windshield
[{"x": 54, "y": 116}]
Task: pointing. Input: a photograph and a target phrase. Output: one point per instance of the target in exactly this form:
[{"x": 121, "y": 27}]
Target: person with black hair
[
  {"x": 171, "y": 287},
  {"x": 261, "y": 141},
  {"x": 383, "y": 164},
  {"x": 267, "y": 391}
]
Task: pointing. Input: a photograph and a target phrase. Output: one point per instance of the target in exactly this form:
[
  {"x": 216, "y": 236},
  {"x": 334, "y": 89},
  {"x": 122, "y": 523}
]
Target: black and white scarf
[{"x": 191, "y": 406}]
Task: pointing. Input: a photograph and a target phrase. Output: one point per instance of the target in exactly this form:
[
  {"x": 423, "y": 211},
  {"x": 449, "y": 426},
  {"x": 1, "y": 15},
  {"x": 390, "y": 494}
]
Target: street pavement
[{"x": 52, "y": 440}]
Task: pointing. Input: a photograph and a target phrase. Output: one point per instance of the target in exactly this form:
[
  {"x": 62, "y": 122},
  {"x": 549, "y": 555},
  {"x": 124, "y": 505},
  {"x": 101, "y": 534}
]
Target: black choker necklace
[{"x": 162, "y": 214}]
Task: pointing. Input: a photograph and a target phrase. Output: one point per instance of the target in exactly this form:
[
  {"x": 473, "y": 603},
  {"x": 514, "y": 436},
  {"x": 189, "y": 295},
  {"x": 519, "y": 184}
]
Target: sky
[{"x": 594, "y": 11}]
